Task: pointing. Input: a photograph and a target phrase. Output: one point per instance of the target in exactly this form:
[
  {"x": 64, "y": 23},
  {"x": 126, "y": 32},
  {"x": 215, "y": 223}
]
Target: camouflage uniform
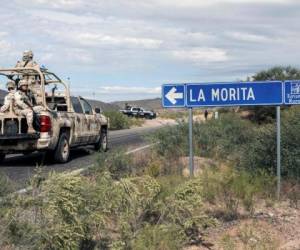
[
  {"x": 27, "y": 60},
  {"x": 9, "y": 98},
  {"x": 33, "y": 82},
  {"x": 24, "y": 105}
]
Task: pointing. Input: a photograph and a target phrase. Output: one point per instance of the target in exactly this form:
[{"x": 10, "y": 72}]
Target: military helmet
[
  {"x": 27, "y": 55},
  {"x": 10, "y": 84},
  {"x": 23, "y": 82}
]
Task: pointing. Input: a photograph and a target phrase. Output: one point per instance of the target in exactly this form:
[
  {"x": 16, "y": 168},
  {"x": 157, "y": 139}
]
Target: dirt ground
[
  {"x": 273, "y": 225},
  {"x": 158, "y": 122}
]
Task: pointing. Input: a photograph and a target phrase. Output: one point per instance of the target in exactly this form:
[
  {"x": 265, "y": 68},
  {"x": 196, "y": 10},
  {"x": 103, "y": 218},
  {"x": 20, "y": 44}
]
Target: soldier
[
  {"x": 24, "y": 105},
  {"x": 9, "y": 98},
  {"x": 33, "y": 80},
  {"x": 27, "y": 60}
]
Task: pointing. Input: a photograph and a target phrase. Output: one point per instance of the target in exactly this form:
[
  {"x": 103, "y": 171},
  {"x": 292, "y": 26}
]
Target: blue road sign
[
  {"x": 234, "y": 94},
  {"x": 292, "y": 92},
  {"x": 173, "y": 95}
]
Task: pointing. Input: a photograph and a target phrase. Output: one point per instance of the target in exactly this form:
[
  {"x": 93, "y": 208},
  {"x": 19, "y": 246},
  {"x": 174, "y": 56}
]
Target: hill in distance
[{"x": 151, "y": 104}]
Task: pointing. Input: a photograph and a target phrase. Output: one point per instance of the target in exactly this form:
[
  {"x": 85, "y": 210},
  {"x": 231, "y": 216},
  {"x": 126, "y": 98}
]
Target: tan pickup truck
[{"x": 64, "y": 122}]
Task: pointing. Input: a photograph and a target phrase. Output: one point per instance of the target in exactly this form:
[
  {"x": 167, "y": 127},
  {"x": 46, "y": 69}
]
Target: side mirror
[{"x": 97, "y": 110}]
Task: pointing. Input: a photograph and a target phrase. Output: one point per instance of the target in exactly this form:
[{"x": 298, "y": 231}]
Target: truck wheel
[
  {"x": 102, "y": 144},
  {"x": 2, "y": 157},
  {"x": 62, "y": 151}
]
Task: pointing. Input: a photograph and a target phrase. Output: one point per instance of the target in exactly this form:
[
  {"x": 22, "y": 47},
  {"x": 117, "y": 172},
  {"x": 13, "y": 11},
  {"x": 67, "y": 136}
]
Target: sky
[{"x": 126, "y": 49}]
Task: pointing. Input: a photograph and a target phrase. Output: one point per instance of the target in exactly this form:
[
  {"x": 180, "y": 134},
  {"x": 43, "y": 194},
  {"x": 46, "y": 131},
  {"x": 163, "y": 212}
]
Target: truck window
[
  {"x": 87, "y": 107},
  {"x": 76, "y": 105}
]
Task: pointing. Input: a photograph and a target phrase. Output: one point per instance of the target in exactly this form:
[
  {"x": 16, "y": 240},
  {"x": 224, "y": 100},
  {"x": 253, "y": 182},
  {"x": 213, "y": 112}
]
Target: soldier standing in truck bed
[
  {"x": 27, "y": 60},
  {"x": 33, "y": 80}
]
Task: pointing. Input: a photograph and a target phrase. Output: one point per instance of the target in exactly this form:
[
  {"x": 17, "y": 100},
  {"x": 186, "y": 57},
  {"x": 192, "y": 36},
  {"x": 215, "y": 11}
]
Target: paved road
[{"x": 19, "y": 167}]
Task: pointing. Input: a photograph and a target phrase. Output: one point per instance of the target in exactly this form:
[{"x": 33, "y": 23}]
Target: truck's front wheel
[
  {"x": 62, "y": 151},
  {"x": 102, "y": 144}
]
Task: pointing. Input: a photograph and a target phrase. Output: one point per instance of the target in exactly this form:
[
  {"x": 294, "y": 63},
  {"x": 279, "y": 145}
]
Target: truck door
[
  {"x": 91, "y": 126},
  {"x": 79, "y": 121}
]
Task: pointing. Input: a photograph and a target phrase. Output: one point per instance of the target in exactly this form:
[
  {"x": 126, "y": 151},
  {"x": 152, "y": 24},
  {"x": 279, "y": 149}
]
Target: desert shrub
[
  {"x": 118, "y": 120},
  {"x": 172, "y": 141},
  {"x": 136, "y": 122},
  {"x": 235, "y": 188},
  {"x": 183, "y": 207},
  {"x": 230, "y": 138},
  {"x": 253, "y": 236},
  {"x": 264, "y": 114},
  {"x": 117, "y": 162},
  {"x": 260, "y": 152},
  {"x": 6, "y": 185},
  {"x": 154, "y": 168},
  {"x": 227, "y": 242},
  {"x": 222, "y": 138},
  {"x": 73, "y": 212},
  {"x": 215, "y": 138},
  {"x": 159, "y": 237}
]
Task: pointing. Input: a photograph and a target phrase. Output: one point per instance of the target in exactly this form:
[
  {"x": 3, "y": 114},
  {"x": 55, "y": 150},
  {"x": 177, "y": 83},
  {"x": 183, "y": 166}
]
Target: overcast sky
[{"x": 126, "y": 49}]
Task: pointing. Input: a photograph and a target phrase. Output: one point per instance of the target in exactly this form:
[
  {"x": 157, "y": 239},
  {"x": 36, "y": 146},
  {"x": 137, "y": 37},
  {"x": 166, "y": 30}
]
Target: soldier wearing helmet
[
  {"x": 32, "y": 79},
  {"x": 27, "y": 60},
  {"x": 25, "y": 104},
  {"x": 9, "y": 98}
]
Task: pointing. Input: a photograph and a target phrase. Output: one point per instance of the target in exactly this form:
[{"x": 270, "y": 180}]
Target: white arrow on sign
[{"x": 172, "y": 95}]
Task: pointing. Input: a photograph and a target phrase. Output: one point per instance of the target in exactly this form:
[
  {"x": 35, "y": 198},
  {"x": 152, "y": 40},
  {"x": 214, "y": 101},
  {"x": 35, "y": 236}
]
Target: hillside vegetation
[{"x": 248, "y": 145}]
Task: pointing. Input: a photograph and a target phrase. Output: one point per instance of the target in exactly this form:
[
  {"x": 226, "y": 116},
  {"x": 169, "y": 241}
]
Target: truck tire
[
  {"x": 2, "y": 157},
  {"x": 62, "y": 151},
  {"x": 102, "y": 144}
]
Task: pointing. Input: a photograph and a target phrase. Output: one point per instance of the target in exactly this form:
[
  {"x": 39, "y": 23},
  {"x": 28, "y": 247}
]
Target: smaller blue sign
[
  {"x": 234, "y": 94},
  {"x": 292, "y": 92},
  {"x": 173, "y": 95}
]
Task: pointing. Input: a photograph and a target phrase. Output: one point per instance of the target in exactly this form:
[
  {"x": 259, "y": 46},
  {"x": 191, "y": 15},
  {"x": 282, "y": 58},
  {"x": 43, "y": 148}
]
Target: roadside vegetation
[
  {"x": 119, "y": 121},
  {"x": 247, "y": 145},
  {"x": 148, "y": 201}
]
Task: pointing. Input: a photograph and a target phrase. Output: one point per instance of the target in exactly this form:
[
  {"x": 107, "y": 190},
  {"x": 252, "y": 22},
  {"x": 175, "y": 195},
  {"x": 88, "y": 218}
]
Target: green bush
[
  {"x": 260, "y": 152},
  {"x": 5, "y": 185},
  {"x": 234, "y": 188},
  {"x": 244, "y": 144},
  {"x": 263, "y": 114},
  {"x": 79, "y": 212},
  {"x": 214, "y": 138},
  {"x": 159, "y": 237},
  {"x": 117, "y": 162},
  {"x": 118, "y": 120}
]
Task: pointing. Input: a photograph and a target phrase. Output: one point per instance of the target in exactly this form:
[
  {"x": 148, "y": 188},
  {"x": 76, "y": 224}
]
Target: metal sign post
[
  {"x": 191, "y": 160},
  {"x": 278, "y": 135}
]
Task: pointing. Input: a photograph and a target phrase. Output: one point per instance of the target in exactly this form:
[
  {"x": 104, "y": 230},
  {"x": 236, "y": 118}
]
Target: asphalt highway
[{"x": 20, "y": 168}]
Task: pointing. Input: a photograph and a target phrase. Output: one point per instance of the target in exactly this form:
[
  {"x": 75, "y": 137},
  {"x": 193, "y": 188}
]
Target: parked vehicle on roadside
[{"x": 138, "y": 112}]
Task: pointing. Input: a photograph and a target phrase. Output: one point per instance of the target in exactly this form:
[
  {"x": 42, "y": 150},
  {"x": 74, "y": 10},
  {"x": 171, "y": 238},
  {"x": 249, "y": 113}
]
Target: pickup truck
[
  {"x": 65, "y": 122},
  {"x": 138, "y": 112}
]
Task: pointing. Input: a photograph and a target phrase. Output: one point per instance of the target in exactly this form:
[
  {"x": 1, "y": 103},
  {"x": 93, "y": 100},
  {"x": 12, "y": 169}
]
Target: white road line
[
  {"x": 80, "y": 170},
  {"x": 140, "y": 148}
]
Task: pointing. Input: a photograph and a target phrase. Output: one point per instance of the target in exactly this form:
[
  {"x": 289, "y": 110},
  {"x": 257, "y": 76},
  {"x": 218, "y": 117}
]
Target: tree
[{"x": 268, "y": 114}]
